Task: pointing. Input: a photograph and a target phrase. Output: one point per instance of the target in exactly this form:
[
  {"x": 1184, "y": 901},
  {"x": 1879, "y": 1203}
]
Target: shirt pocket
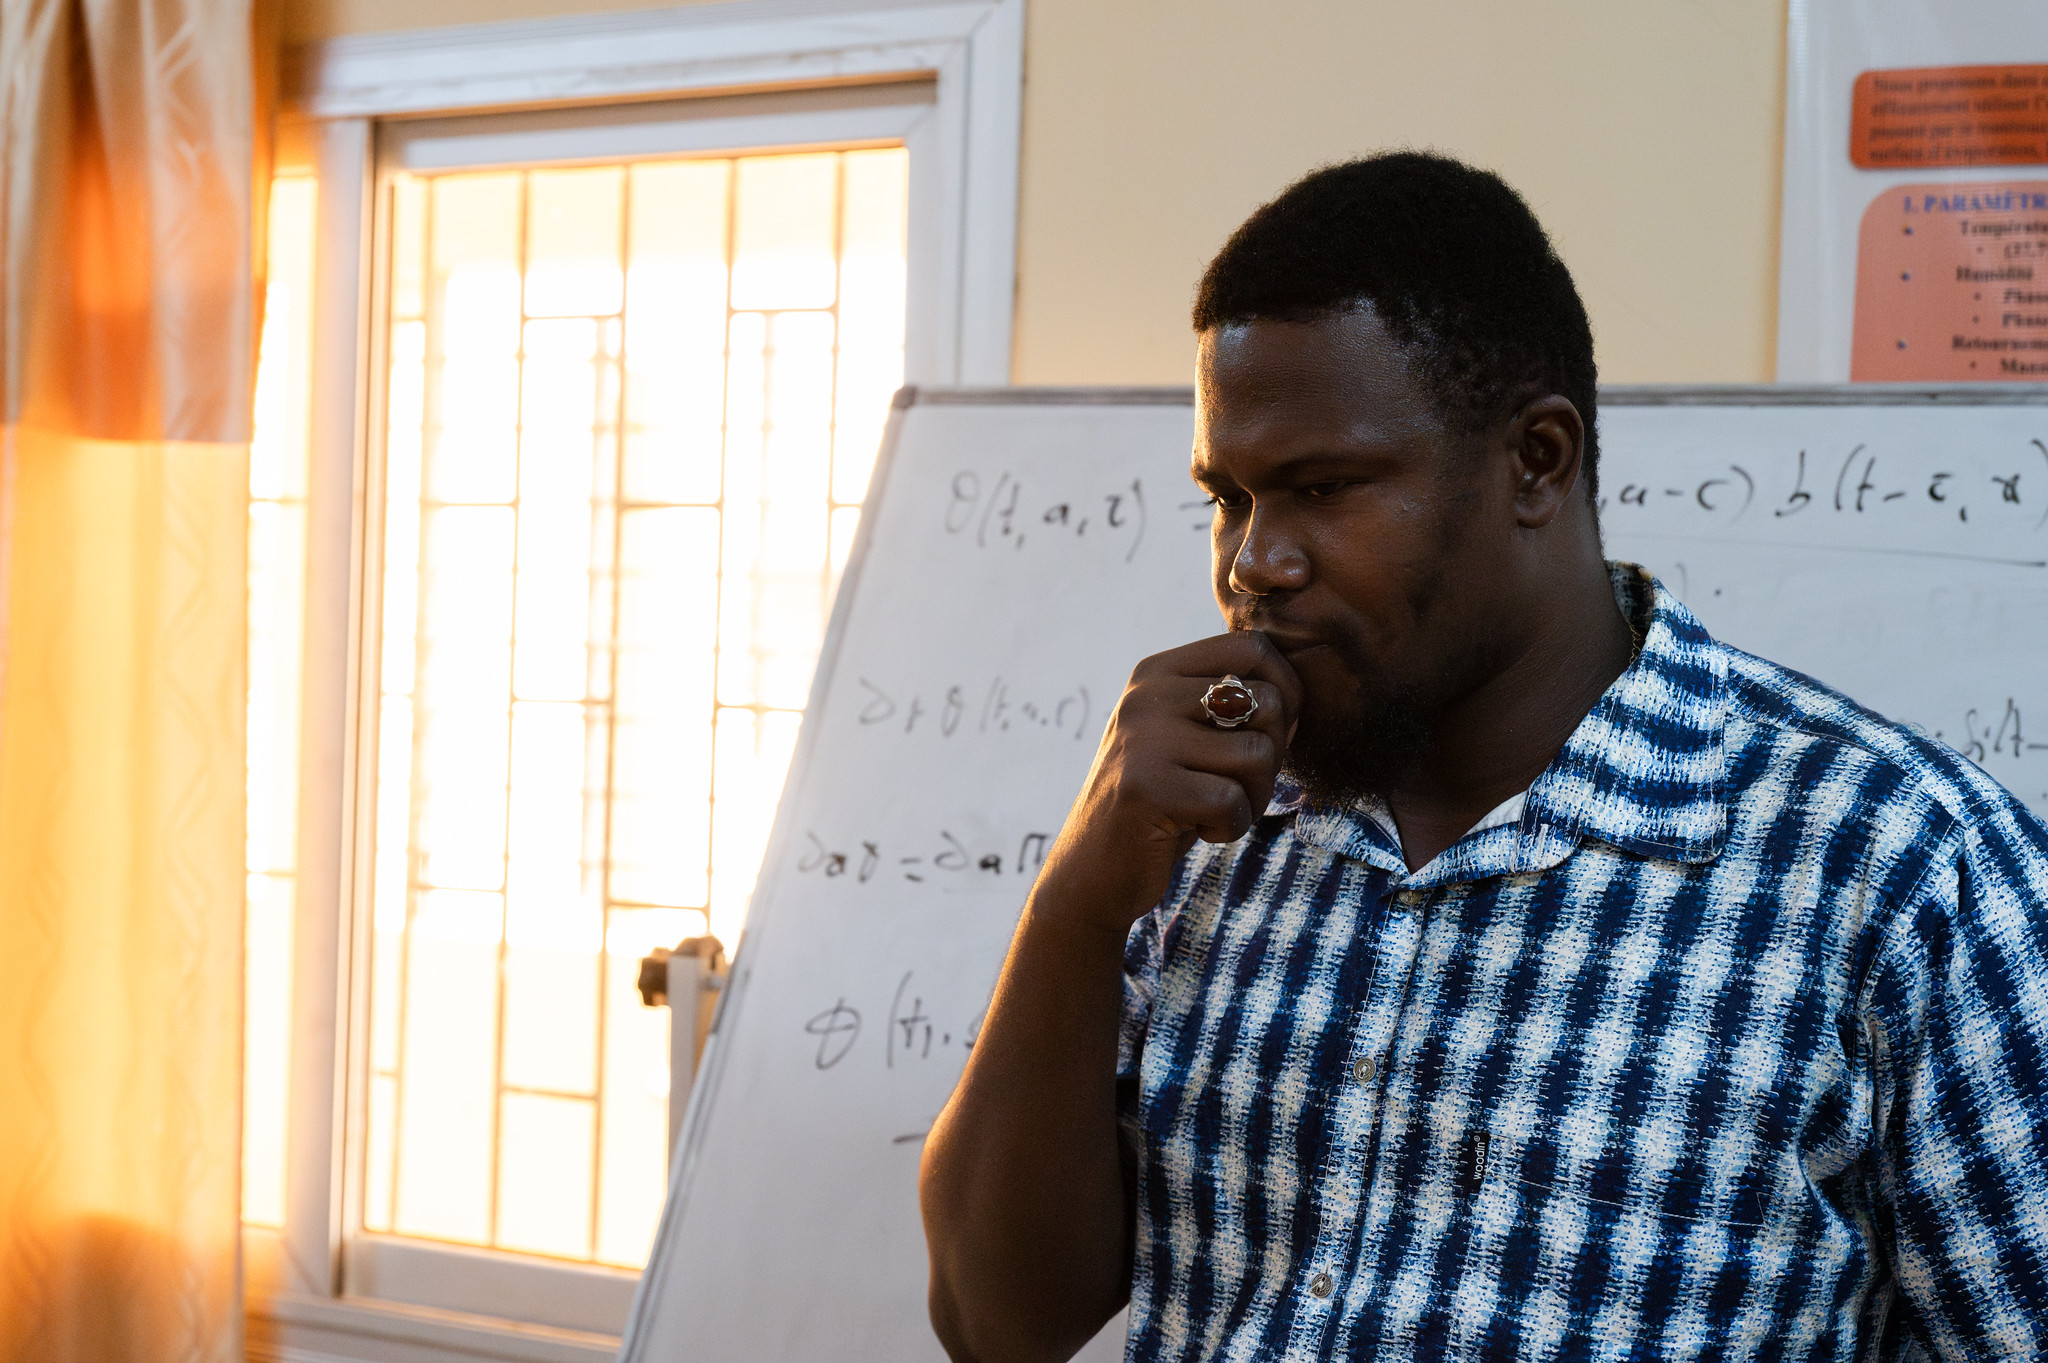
[
  {"x": 1584, "y": 1252},
  {"x": 1733, "y": 1199}
]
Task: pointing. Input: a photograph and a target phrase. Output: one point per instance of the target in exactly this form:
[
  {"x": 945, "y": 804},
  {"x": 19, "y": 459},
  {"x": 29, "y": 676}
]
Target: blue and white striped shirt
[{"x": 1734, "y": 1046}]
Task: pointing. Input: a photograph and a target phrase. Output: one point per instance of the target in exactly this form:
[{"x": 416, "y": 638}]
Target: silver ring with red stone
[{"x": 1229, "y": 703}]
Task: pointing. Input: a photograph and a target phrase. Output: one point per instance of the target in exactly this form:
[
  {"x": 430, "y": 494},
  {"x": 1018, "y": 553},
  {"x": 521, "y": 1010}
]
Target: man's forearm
[
  {"x": 1023, "y": 1189},
  {"x": 1025, "y": 1208}
]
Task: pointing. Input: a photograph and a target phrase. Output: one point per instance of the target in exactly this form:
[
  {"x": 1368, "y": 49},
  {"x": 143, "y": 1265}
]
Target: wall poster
[{"x": 1915, "y": 236}]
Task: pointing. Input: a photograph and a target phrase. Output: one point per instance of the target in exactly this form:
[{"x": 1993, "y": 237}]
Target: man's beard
[
  {"x": 1374, "y": 744},
  {"x": 1368, "y": 748}
]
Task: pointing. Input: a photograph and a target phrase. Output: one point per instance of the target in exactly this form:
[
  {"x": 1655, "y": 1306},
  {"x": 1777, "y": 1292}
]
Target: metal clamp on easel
[{"x": 693, "y": 972}]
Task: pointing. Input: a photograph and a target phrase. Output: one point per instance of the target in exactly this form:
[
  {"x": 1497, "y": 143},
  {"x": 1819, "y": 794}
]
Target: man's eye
[
  {"x": 1227, "y": 501},
  {"x": 1317, "y": 492}
]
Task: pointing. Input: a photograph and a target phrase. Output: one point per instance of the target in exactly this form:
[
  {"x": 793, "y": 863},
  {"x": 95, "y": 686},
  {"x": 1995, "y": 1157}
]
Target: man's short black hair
[{"x": 1451, "y": 261}]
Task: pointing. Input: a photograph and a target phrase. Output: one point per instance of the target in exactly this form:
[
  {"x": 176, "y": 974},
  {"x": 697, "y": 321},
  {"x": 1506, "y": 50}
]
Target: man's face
[{"x": 1368, "y": 541}]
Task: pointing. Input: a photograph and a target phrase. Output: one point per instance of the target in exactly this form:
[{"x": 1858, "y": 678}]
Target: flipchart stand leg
[{"x": 687, "y": 979}]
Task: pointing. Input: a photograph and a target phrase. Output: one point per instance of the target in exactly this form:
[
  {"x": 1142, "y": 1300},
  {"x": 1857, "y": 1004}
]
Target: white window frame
[{"x": 319, "y": 1289}]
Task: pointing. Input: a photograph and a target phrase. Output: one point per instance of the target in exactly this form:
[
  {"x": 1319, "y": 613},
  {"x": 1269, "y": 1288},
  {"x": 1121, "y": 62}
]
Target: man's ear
[{"x": 1544, "y": 443}]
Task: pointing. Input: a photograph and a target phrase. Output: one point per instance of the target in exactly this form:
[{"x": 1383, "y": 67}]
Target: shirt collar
[{"x": 1644, "y": 771}]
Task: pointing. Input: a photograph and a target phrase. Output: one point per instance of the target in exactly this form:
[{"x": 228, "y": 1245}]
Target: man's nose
[{"x": 1269, "y": 559}]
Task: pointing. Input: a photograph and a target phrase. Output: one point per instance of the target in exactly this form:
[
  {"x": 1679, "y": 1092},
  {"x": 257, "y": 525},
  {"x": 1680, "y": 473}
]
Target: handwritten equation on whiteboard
[
  {"x": 1992, "y": 735},
  {"x": 998, "y": 509},
  {"x": 1986, "y": 504},
  {"x": 907, "y": 1034},
  {"x": 994, "y": 509},
  {"x": 941, "y": 857},
  {"x": 950, "y": 709}
]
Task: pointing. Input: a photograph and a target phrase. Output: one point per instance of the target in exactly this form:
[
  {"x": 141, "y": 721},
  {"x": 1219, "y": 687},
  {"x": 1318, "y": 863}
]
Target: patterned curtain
[{"x": 129, "y": 136}]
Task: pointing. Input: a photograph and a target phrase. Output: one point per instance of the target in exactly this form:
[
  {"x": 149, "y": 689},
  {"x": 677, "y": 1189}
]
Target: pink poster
[
  {"x": 1914, "y": 241},
  {"x": 1952, "y": 284}
]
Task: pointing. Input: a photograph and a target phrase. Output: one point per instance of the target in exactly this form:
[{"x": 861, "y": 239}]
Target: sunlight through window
[
  {"x": 632, "y": 413},
  {"x": 277, "y": 585}
]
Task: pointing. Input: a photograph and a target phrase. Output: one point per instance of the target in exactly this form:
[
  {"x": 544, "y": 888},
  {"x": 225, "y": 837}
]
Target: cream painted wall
[{"x": 1648, "y": 138}]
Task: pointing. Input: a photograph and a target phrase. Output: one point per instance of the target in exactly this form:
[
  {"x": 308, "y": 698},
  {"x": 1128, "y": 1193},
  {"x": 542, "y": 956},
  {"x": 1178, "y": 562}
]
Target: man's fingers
[
  {"x": 1244, "y": 755},
  {"x": 1179, "y": 700},
  {"x": 1247, "y": 654},
  {"x": 1178, "y": 762},
  {"x": 1252, "y": 761},
  {"x": 1216, "y": 807},
  {"x": 1247, "y": 759}
]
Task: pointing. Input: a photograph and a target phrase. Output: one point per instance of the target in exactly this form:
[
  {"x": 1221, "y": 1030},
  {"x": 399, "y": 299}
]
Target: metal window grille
[{"x": 632, "y": 411}]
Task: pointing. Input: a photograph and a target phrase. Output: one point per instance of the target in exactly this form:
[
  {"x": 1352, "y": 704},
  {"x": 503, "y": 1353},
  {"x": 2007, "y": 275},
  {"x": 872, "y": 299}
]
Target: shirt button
[
  {"x": 1321, "y": 1285},
  {"x": 1363, "y": 1070}
]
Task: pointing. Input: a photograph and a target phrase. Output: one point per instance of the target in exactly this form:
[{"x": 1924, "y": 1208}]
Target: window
[
  {"x": 590, "y": 394},
  {"x": 632, "y": 410}
]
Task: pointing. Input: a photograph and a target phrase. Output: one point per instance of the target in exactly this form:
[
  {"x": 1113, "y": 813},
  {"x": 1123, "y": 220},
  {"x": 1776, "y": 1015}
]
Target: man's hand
[
  {"x": 1165, "y": 775},
  {"x": 1026, "y": 1200}
]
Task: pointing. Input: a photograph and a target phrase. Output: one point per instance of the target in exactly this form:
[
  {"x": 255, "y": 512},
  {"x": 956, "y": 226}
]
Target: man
[{"x": 1466, "y": 955}]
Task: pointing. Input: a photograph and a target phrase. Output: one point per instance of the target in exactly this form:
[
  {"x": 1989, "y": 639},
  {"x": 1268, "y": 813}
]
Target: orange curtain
[{"x": 129, "y": 198}]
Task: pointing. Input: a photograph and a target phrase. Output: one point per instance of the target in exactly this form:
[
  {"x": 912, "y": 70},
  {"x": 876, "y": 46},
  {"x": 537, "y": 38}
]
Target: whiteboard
[{"x": 1019, "y": 551}]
